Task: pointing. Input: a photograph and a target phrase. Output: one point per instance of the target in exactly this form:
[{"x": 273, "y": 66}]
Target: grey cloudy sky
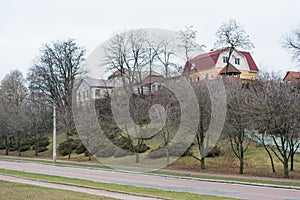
[{"x": 26, "y": 25}]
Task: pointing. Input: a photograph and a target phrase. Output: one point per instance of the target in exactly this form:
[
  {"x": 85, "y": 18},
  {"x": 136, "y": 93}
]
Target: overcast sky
[{"x": 26, "y": 25}]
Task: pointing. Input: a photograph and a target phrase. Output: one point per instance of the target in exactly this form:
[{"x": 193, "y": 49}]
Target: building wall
[
  {"x": 208, "y": 74},
  {"x": 248, "y": 75},
  {"x": 213, "y": 73},
  {"x": 243, "y": 61},
  {"x": 85, "y": 92},
  {"x": 290, "y": 78}
]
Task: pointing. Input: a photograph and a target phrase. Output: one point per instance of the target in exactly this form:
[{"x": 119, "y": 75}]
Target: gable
[{"x": 215, "y": 59}]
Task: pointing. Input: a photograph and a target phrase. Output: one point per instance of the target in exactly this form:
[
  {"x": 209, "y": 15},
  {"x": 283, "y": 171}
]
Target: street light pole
[{"x": 54, "y": 133}]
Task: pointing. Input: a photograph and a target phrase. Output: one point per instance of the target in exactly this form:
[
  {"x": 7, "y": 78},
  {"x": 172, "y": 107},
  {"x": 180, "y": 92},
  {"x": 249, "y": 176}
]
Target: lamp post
[{"x": 54, "y": 133}]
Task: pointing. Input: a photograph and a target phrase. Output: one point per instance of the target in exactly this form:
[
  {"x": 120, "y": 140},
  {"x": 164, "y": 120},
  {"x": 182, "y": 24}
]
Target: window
[
  {"x": 237, "y": 61},
  {"x": 225, "y": 59},
  {"x": 97, "y": 92}
]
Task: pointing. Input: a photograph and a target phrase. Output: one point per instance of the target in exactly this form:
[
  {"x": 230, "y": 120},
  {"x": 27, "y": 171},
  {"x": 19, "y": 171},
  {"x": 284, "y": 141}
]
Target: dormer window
[
  {"x": 225, "y": 59},
  {"x": 237, "y": 61}
]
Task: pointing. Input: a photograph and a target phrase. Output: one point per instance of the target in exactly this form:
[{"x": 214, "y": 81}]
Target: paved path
[
  {"x": 160, "y": 182},
  {"x": 87, "y": 190}
]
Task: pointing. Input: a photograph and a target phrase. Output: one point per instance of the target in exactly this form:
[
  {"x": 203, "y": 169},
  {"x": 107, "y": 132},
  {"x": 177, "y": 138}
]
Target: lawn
[
  {"x": 112, "y": 187},
  {"x": 17, "y": 191}
]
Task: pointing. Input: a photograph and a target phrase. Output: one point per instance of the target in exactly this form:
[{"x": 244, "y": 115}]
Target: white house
[{"x": 91, "y": 89}]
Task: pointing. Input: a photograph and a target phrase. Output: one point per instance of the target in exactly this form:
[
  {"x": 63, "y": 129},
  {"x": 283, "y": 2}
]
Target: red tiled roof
[
  {"x": 231, "y": 69},
  {"x": 294, "y": 74},
  {"x": 209, "y": 60},
  {"x": 203, "y": 61},
  {"x": 250, "y": 61}
]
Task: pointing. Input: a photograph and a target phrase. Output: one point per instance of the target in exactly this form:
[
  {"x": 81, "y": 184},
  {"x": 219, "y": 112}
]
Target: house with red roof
[
  {"x": 213, "y": 65},
  {"x": 292, "y": 76}
]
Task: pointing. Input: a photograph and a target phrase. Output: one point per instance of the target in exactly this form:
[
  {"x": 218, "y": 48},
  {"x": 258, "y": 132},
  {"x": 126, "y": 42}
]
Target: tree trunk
[
  {"x": 6, "y": 147},
  {"x": 241, "y": 166},
  {"x": 241, "y": 158},
  {"x": 19, "y": 146},
  {"x": 202, "y": 163},
  {"x": 271, "y": 159},
  {"x": 202, "y": 154},
  {"x": 36, "y": 145},
  {"x": 292, "y": 161},
  {"x": 286, "y": 167},
  {"x": 168, "y": 157},
  {"x": 137, "y": 158}
]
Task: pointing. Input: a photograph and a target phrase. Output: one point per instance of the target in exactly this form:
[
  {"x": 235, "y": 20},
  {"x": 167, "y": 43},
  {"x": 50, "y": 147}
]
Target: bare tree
[
  {"x": 187, "y": 38},
  {"x": 275, "y": 104},
  {"x": 232, "y": 35},
  {"x": 166, "y": 54},
  {"x": 13, "y": 93},
  {"x": 238, "y": 120},
  {"x": 127, "y": 54},
  {"x": 38, "y": 110},
  {"x": 56, "y": 69},
  {"x": 292, "y": 43},
  {"x": 204, "y": 120}
]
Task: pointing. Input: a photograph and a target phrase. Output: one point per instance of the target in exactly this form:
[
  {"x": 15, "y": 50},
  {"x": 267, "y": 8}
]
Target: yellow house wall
[
  {"x": 213, "y": 73},
  {"x": 248, "y": 75}
]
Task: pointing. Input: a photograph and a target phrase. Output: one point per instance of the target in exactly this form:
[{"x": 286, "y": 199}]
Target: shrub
[
  {"x": 214, "y": 152},
  {"x": 2, "y": 146},
  {"x": 29, "y": 142},
  {"x": 24, "y": 148},
  {"x": 43, "y": 142},
  {"x": 80, "y": 148},
  {"x": 143, "y": 148},
  {"x": 68, "y": 146},
  {"x": 158, "y": 153},
  {"x": 13, "y": 147},
  {"x": 42, "y": 149}
]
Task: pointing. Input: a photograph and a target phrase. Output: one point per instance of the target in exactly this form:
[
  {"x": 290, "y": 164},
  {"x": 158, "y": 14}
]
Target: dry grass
[{"x": 257, "y": 163}]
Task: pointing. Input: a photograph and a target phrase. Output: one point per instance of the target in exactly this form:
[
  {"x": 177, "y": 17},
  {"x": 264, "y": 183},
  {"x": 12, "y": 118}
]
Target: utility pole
[{"x": 54, "y": 133}]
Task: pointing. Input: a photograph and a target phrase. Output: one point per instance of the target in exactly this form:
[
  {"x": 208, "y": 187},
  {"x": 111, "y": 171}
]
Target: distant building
[
  {"x": 141, "y": 82},
  {"x": 91, "y": 89},
  {"x": 292, "y": 76},
  {"x": 212, "y": 65}
]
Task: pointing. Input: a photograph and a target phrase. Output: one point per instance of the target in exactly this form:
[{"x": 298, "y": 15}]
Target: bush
[
  {"x": 214, "y": 152},
  {"x": 2, "y": 146},
  {"x": 42, "y": 149},
  {"x": 13, "y": 147},
  {"x": 24, "y": 148},
  {"x": 43, "y": 142},
  {"x": 68, "y": 146},
  {"x": 29, "y": 142},
  {"x": 80, "y": 148},
  {"x": 158, "y": 153},
  {"x": 143, "y": 148}
]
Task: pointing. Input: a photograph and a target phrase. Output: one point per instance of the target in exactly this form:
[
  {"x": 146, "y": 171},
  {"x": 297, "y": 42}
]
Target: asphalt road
[{"x": 159, "y": 182}]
